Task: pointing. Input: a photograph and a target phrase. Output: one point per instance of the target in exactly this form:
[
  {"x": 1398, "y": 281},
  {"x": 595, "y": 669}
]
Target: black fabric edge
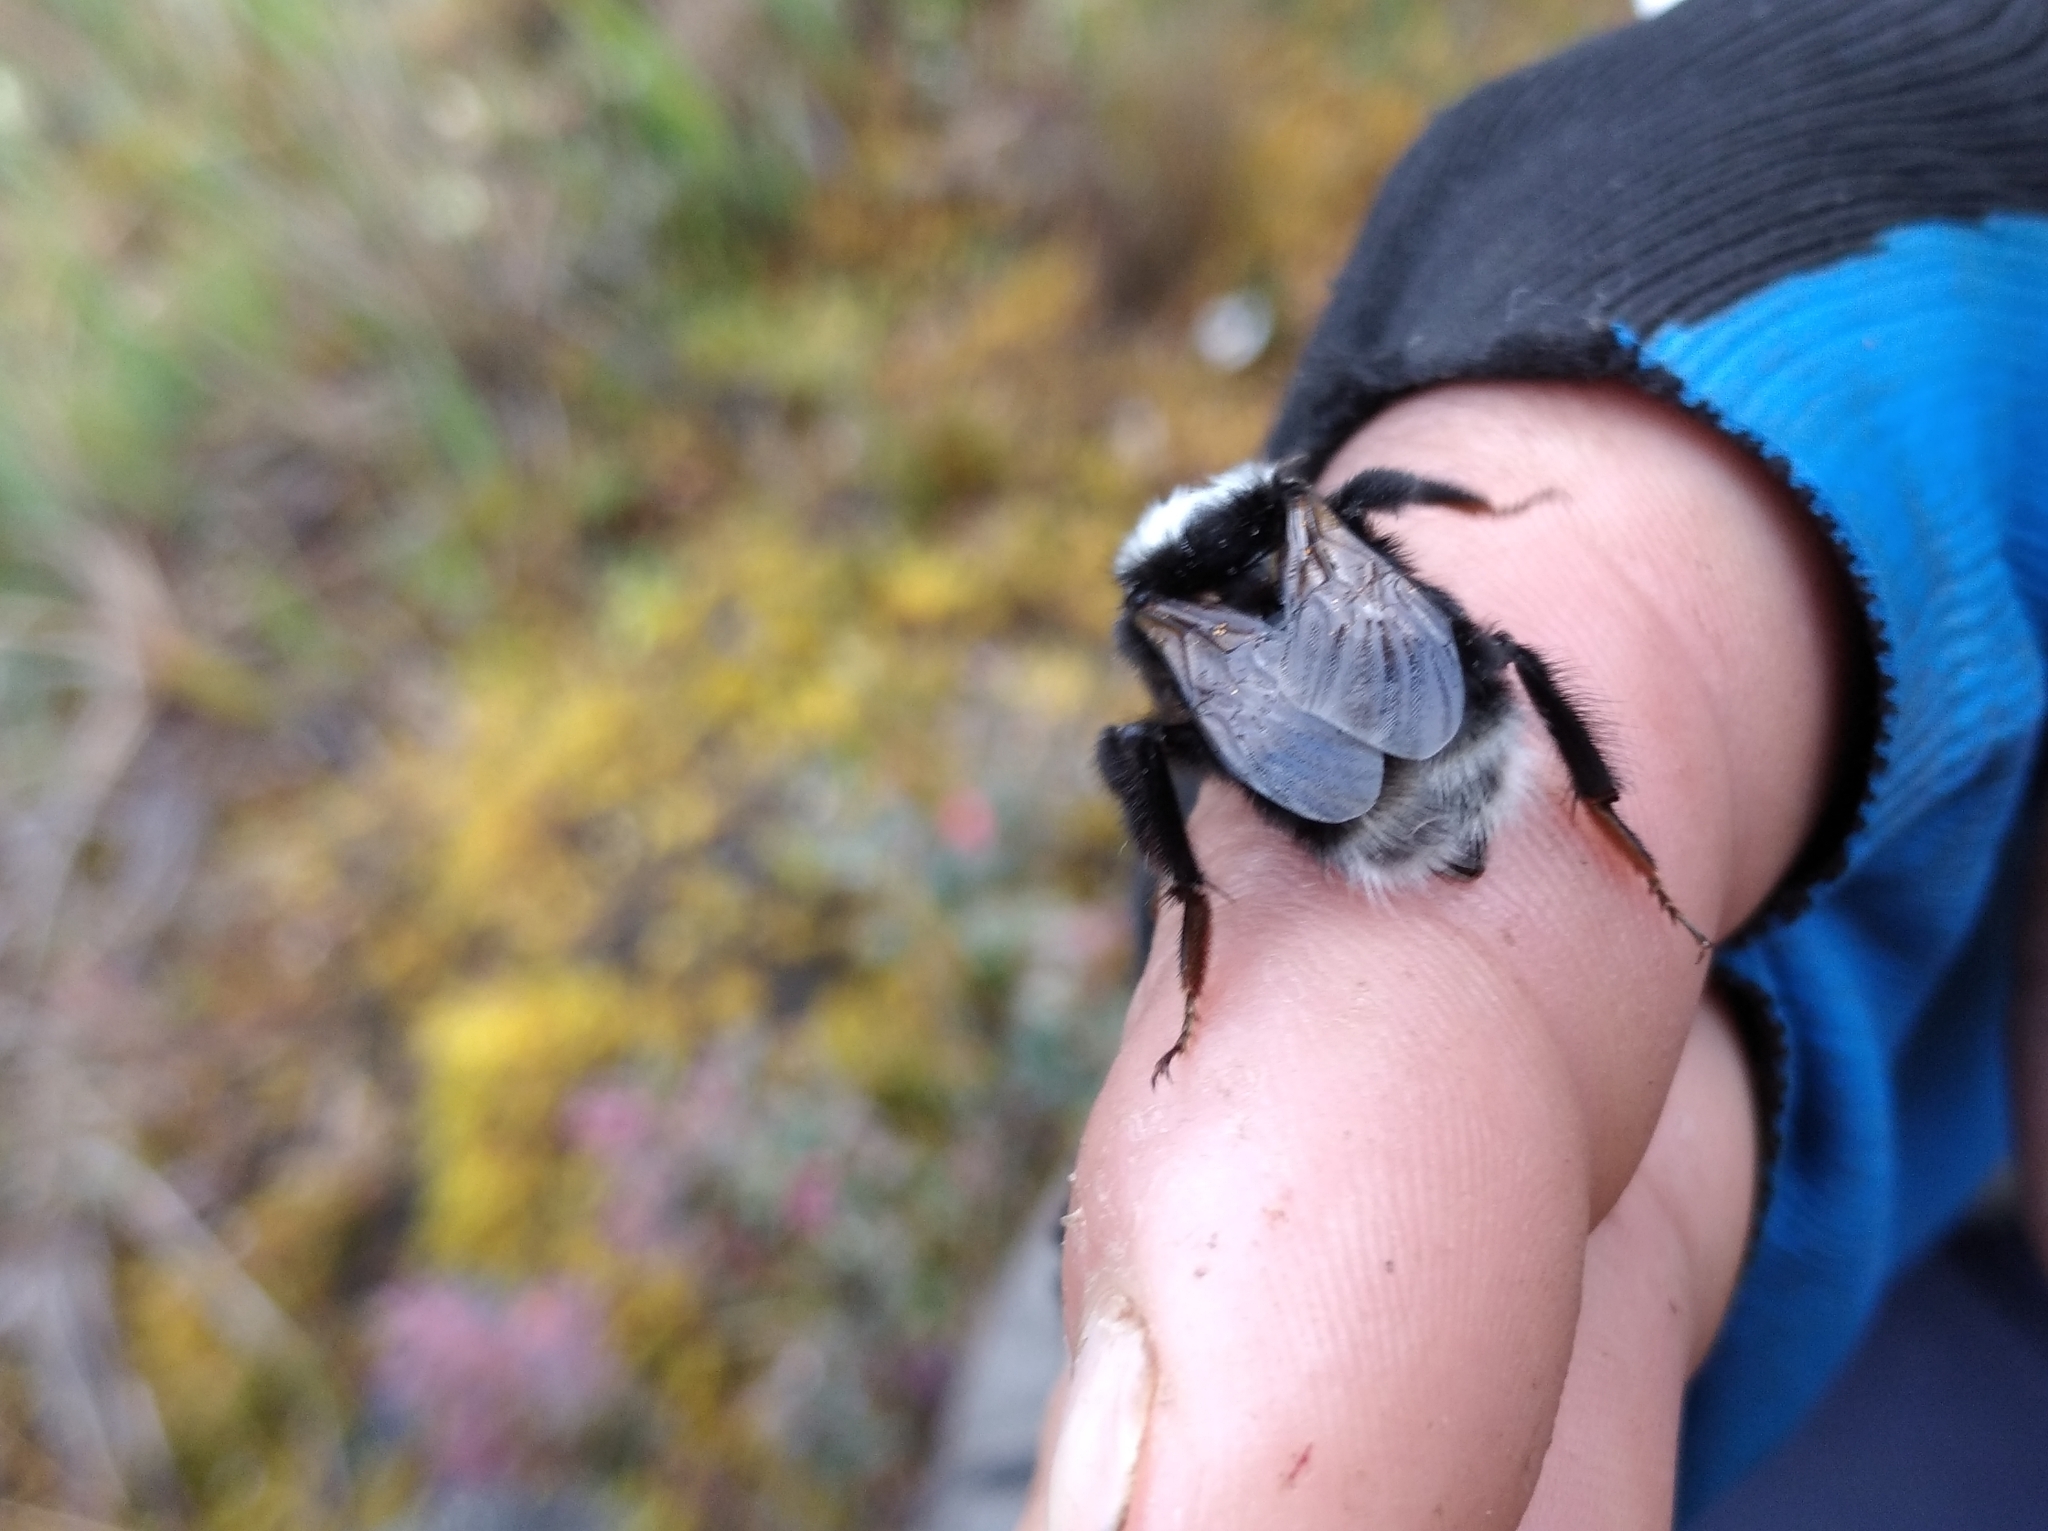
[
  {"x": 1345, "y": 402},
  {"x": 1767, "y": 1048},
  {"x": 1867, "y": 706},
  {"x": 1345, "y": 399}
]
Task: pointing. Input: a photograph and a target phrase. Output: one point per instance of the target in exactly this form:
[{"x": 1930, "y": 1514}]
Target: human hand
[{"x": 1444, "y": 1203}]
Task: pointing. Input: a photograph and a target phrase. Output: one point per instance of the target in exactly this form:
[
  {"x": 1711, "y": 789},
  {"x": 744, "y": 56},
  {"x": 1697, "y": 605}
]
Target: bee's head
[{"x": 1218, "y": 540}]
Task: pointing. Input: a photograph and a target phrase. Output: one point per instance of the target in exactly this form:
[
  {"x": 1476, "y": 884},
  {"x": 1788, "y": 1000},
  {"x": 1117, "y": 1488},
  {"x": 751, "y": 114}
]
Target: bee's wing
[
  {"x": 1227, "y": 666},
  {"x": 1366, "y": 650}
]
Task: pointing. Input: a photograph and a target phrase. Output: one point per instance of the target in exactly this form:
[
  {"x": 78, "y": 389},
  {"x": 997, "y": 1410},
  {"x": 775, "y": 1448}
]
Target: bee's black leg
[
  {"x": 1391, "y": 489},
  {"x": 1133, "y": 761},
  {"x": 1592, "y": 778},
  {"x": 1385, "y": 489}
]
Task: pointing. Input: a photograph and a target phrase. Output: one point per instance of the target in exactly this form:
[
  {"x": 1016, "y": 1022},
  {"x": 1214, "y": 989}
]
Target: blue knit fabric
[{"x": 1907, "y": 388}]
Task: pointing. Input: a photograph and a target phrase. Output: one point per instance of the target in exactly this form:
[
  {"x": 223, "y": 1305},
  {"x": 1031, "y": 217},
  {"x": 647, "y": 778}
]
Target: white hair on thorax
[{"x": 1165, "y": 520}]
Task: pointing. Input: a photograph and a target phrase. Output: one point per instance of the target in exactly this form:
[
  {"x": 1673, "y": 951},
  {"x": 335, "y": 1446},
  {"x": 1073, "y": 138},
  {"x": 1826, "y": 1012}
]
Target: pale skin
[{"x": 1447, "y": 1199}]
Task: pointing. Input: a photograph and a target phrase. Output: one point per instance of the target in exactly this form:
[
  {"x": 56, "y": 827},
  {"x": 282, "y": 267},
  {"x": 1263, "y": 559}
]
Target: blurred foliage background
[{"x": 553, "y": 594}]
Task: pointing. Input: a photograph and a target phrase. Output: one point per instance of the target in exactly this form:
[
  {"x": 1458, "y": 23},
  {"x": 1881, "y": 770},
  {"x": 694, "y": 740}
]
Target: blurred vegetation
[{"x": 552, "y": 609}]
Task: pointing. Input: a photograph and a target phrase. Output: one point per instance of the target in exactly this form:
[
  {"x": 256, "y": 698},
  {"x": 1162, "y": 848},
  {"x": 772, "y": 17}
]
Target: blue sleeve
[{"x": 1907, "y": 389}]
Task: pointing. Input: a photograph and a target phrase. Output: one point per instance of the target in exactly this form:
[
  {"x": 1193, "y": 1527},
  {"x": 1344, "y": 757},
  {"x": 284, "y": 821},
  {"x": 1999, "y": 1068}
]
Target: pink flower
[
  {"x": 491, "y": 1386},
  {"x": 812, "y": 1198},
  {"x": 609, "y": 1121},
  {"x": 967, "y": 821},
  {"x": 555, "y": 1335}
]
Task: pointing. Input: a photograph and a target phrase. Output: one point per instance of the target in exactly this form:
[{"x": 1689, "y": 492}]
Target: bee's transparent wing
[
  {"x": 1228, "y": 667},
  {"x": 1365, "y": 649}
]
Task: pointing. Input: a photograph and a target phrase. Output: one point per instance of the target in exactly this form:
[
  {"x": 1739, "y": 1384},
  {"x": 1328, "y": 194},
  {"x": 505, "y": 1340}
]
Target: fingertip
[{"x": 1108, "y": 1408}]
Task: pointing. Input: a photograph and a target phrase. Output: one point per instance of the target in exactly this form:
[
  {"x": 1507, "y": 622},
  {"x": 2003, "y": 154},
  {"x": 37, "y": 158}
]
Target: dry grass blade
[
  {"x": 94, "y": 1414},
  {"x": 150, "y": 1212}
]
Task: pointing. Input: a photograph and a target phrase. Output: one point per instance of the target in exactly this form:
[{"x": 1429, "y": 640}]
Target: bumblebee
[{"x": 1291, "y": 649}]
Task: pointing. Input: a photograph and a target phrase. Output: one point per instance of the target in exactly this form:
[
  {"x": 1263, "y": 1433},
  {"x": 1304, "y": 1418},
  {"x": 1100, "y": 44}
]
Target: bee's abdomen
[{"x": 1437, "y": 815}]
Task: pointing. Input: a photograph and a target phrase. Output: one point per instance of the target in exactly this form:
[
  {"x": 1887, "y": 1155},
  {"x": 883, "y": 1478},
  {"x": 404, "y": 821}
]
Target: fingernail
[{"x": 1108, "y": 1403}]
